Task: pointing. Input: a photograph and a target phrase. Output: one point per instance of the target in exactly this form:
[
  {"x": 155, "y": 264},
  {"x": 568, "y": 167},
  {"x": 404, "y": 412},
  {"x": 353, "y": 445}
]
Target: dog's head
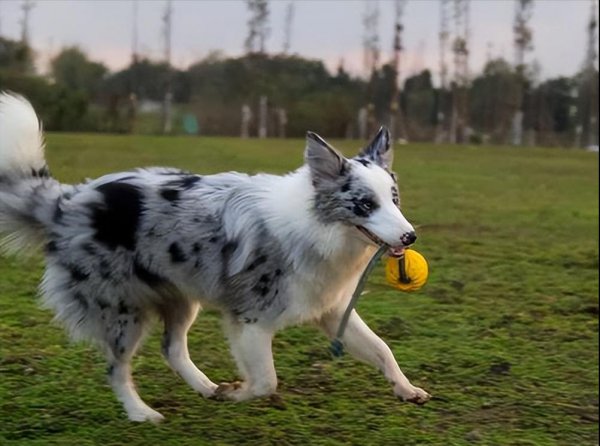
[{"x": 361, "y": 191}]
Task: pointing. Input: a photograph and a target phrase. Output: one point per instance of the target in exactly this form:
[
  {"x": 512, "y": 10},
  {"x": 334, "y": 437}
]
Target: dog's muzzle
[{"x": 393, "y": 251}]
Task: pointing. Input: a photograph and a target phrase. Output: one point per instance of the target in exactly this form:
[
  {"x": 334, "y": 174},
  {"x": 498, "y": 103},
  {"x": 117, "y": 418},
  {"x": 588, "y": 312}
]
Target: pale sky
[{"x": 323, "y": 29}]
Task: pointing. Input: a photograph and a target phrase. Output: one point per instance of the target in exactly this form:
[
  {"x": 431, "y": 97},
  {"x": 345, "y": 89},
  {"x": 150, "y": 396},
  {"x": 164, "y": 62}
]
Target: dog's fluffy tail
[{"x": 27, "y": 192}]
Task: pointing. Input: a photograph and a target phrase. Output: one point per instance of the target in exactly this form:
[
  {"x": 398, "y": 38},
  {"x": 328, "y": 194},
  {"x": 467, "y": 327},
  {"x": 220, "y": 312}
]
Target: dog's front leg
[
  {"x": 251, "y": 349},
  {"x": 363, "y": 344}
]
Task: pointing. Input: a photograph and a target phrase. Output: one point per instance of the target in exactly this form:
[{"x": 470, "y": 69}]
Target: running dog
[{"x": 267, "y": 251}]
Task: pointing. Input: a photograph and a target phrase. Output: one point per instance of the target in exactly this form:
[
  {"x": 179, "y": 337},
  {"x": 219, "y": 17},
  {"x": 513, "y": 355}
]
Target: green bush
[{"x": 59, "y": 108}]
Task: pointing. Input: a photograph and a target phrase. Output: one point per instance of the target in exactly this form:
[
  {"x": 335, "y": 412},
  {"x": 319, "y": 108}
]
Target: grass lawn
[{"x": 504, "y": 335}]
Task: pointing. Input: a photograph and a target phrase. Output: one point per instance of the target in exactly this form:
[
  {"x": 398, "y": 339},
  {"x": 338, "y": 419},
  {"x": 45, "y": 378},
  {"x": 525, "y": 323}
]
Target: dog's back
[
  {"x": 122, "y": 247},
  {"x": 128, "y": 242}
]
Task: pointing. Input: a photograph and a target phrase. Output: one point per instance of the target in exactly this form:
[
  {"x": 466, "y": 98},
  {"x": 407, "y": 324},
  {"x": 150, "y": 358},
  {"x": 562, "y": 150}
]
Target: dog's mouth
[{"x": 393, "y": 251}]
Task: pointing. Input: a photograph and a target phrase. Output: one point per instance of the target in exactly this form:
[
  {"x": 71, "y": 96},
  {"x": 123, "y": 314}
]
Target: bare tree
[
  {"x": 134, "y": 33},
  {"x": 26, "y": 65},
  {"x": 289, "y": 18},
  {"x": 522, "y": 32},
  {"x": 590, "y": 80},
  {"x": 442, "y": 103},
  {"x": 523, "y": 41},
  {"x": 132, "y": 98},
  {"x": 258, "y": 26},
  {"x": 396, "y": 118},
  {"x": 371, "y": 36},
  {"x": 26, "y": 6},
  {"x": 168, "y": 100},
  {"x": 371, "y": 55},
  {"x": 460, "y": 48}
]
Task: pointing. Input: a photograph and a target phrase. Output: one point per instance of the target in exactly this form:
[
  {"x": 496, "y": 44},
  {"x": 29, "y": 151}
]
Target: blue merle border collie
[{"x": 267, "y": 251}]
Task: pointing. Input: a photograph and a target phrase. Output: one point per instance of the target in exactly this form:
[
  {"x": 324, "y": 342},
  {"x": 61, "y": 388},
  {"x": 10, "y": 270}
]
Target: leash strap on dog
[{"x": 337, "y": 346}]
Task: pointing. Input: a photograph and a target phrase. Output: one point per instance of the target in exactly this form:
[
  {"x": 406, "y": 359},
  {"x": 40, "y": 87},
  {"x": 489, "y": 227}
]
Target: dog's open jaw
[{"x": 393, "y": 251}]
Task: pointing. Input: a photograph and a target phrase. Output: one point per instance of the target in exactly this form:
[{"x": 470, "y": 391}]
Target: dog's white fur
[
  {"x": 22, "y": 143},
  {"x": 306, "y": 221}
]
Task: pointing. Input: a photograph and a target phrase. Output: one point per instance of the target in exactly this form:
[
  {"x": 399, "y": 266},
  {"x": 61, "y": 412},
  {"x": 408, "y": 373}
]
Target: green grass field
[{"x": 504, "y": 335}]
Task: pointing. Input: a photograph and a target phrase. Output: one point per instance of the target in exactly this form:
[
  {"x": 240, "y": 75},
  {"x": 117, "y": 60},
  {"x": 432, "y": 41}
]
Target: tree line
[{"x": 80, "y": 94}]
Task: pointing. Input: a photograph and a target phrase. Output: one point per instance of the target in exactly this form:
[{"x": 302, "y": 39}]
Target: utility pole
[
  {"x": 444, "y": 35},
  {"x": 397, "y": 127},
  {"x": 168, "y": 101},
  {"x": 289, "y": 18},
  {"x": 523, "y": 43},
  {"x": 459, "y": 117}
]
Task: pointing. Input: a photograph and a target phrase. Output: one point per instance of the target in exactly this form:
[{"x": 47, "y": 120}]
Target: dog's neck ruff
[{"x": 291, "y": 217}]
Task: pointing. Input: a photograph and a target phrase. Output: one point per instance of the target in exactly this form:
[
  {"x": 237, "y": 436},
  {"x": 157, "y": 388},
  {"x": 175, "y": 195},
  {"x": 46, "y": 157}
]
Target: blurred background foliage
[{"x": 80, "y": 94}]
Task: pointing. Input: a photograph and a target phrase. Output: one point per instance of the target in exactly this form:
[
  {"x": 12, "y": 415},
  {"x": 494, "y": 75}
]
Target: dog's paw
[
  {"x": 145, "y": 414},
  {"x": 414, "y": 395},
  {"x": 208, "y": 391},
  {"x": 226, "y": 391}
]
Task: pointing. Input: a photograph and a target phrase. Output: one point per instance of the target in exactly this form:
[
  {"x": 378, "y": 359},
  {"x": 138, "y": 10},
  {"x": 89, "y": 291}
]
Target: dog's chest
[{"x": 327, "y": 286}]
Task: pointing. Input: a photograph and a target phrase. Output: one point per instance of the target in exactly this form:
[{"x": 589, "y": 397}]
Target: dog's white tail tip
[{"x": 21, "y": 137}]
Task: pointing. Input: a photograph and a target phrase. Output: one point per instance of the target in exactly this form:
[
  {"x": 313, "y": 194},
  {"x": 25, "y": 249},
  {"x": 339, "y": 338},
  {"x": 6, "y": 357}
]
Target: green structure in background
[{"x": 190, "y": 124}]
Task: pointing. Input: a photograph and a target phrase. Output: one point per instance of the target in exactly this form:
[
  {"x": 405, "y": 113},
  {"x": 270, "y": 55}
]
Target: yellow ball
[{"x": 407, "y": 273}]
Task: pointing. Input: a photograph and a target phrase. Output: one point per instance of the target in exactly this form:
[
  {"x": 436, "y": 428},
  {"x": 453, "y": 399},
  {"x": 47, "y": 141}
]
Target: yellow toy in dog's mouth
[
  {"x": 407, "y": 271},
  {"x": 405, "y": 268}
]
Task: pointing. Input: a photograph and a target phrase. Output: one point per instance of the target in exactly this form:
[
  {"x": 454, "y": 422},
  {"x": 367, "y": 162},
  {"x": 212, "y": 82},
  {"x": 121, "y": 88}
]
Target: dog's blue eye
[
  {"x": 366, "y": 204},
  {"x": 363, "y": 206}
]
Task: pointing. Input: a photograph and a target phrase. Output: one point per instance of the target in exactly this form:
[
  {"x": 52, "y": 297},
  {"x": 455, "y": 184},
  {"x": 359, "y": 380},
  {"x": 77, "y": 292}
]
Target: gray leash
[{"x": 337, "y": 346}]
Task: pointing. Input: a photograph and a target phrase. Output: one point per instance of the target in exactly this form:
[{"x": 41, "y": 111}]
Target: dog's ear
[
  {"x": 325, "y": 163},
  {"x": 379, "y": 150}
]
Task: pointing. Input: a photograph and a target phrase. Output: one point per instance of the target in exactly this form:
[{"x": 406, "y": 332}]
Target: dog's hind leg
[
  {"x": 99, "y": 312},
  {"x": 178, "y": 316},
  {"x": 363, "y": 344},
  {"x": 124, "y": 332},
  {"x": 251, "y": 349}
]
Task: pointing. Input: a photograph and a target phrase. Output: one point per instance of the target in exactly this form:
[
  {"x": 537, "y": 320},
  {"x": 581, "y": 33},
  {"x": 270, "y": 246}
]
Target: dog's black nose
[{"x": 409, "y": 238}]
